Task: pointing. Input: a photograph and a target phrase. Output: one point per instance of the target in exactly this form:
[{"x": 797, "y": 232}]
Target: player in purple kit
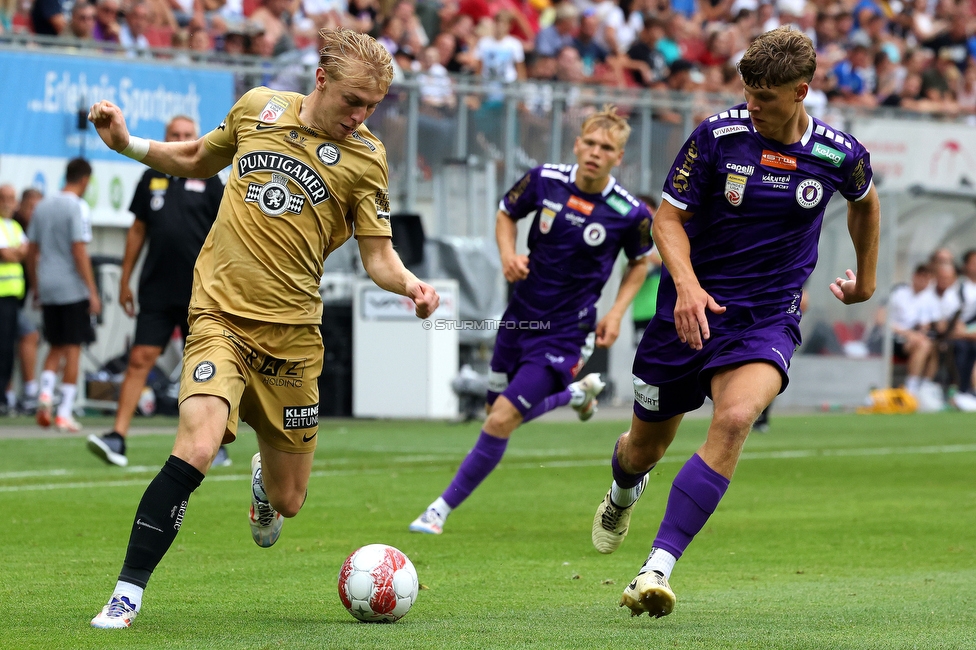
[
  {"x": 738, "y": 232},
  {"x": 583, "y": 219}
]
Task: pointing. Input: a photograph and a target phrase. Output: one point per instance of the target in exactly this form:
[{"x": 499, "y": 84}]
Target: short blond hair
[
  {"x": 358, "y": 58},
  {"x": 608, "y": 119}
]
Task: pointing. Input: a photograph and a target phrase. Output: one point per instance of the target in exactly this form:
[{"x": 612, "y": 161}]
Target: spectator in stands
[
  {"x": 29, "y": 337},
  {"x": 645, "y": 49},
  {"x": 82, "y": 23},
  {"x": 13, "y": 250},
  {"x": 912, "y": 311},
  {"x": 47, "y": 17},
  {"x": 361, "y": 15},
  {"x": 853, "y": 86},
  {"x": 414, "y": 31},
  {"x": 274, "y": 17},
  {"x": 61, "y": 273},
  {"x": 184, "y": 11},
  {"x": 173, "y": 215},
  {"x": 391, "y": 34},
  {"x": 590, "y": 51},
  {"x": 555, "y": 37},
  {"x": 964, "y": 334},
  {"x": 939, "y": 81},
  {"x": 107, "y": 28},
  {"x": 953, "y": 41},
  {"x": 436, "y": 87},
  {"x": 132, "y": 34},
  {"x": 501, "y": 59}
]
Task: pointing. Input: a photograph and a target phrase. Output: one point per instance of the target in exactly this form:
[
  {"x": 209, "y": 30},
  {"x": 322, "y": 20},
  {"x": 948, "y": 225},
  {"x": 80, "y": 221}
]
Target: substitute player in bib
[
  {"x": 738, "y": 232},
  {"x": 306, "y": 175},
  {"x": 583, "y": 219}
]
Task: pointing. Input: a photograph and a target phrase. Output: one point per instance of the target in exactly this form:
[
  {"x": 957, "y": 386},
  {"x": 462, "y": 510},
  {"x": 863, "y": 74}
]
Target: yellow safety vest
[{"x": 12, "y": 273}]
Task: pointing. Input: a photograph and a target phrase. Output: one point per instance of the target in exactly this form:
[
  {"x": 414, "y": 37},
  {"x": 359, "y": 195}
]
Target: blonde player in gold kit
[{"x": 306, "y": 176}]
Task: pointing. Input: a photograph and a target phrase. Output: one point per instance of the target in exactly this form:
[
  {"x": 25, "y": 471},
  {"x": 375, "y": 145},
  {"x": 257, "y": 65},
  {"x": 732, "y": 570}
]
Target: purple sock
[
  {"x": 554, "y": 401},
  {"x": 695, "y": 494},
  {"x": 477, "y": 465},
  {"x": 620, "y": 477}
]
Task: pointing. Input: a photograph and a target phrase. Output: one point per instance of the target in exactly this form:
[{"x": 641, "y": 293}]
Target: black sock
[{"x": 158, "y": 519}]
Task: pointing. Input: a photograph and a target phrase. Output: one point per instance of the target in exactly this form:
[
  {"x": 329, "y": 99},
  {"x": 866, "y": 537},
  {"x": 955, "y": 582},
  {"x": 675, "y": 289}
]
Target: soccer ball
[{"x": 378, "y": 584}]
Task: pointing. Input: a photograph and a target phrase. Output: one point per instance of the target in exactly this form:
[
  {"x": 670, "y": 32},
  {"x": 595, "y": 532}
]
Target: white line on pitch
[{"x": 758, "y": 455}]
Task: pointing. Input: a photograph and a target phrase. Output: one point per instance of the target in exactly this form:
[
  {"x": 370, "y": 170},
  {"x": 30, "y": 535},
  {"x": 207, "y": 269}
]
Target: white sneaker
[
  {"x": 118, "y": 614},
  {"x": 649, "y": 592},
  {"x": 611, "y": 522},
  {"x": 584, "y": 395},
  {"x": 110, "y": 447},
  {"x": 265, "y": 521},
  {"x": 430, "y": 522},
  {"x": 67, "y": 424},
  {"x": 45, "y": 409}
]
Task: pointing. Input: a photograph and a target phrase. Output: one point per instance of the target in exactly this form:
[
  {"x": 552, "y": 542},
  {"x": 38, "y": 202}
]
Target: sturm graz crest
[
  {"x": 274, "y": 198},
  {"x": 328, "y": 153}
]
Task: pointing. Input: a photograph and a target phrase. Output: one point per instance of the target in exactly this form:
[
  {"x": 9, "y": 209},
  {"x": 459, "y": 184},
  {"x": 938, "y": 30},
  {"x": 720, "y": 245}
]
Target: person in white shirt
[
  {"x": 963, "y": 335},
  {"x": 912, "y": 309}
]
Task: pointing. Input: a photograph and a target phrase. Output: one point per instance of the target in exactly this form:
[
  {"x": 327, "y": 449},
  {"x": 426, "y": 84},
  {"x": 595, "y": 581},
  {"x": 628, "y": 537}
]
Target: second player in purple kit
[
  {"x": 738, "y": 231},
  {"x": 583, "y": 219}
]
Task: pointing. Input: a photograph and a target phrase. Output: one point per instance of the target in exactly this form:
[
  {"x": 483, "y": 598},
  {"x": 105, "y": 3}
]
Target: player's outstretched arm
[
  {"x": 690, "y": 319},
  {"x": 190, "y": 159},
  {"x": 608, "y": 329},
  {"x": 386, "y": 269},
  {"x": 864, "y": 224}
]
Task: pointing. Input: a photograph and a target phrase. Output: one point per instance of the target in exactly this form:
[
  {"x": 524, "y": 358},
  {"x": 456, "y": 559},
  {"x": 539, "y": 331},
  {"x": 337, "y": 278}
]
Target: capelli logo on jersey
[
  {"x": 269, "y": 161},
  {"x": 744, "y": 170},
  {"x": 777, "y": 160}
]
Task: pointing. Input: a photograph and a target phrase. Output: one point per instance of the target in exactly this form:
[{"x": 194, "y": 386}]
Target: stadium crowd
[{"x": 911, "y": 54}]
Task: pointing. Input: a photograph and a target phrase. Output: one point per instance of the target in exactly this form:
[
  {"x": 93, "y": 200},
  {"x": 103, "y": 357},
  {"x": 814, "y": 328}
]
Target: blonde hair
[
  {"x": 608, "y": 119},
  {"x": 358, "y": 58}
]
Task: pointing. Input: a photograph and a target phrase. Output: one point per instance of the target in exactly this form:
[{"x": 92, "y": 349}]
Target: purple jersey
[
  {"x": 573, "y": 244},
  {"x": 758, "y": 206}
]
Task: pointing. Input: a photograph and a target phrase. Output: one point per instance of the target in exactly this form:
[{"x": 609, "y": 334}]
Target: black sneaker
[{"x": 110, "y": 447}]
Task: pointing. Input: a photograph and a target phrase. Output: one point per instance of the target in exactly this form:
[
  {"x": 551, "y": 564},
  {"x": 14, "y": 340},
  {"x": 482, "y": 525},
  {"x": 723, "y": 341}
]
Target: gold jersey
[{"x": 293, "y": 197}]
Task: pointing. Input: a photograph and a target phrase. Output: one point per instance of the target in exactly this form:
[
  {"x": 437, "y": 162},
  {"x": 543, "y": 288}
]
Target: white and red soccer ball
[{"x": 378, "y": 584}]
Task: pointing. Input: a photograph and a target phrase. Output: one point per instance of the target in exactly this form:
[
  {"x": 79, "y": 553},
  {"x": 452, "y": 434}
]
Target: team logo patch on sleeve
[
  {"x": 300, "y": 417},
  {"x": 382, "y": 200},
  {"x": 204, "y": 371}
]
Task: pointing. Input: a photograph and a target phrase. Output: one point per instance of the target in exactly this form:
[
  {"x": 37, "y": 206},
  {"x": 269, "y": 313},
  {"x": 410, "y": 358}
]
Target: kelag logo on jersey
[{"x": 831, "y": 155}]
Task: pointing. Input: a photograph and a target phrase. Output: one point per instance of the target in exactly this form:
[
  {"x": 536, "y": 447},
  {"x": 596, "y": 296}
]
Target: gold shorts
[{"x": 268, "y": 374}]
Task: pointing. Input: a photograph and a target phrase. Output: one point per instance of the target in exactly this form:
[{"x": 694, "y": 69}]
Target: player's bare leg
[
  {"x": 203, "y": 419},
  {"x": 279, "y": 483},
  {"x": 740, "y": 394}
]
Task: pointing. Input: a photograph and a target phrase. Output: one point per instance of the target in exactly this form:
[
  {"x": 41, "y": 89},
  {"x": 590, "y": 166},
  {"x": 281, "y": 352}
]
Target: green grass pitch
[{"x": 838, "y": 531}]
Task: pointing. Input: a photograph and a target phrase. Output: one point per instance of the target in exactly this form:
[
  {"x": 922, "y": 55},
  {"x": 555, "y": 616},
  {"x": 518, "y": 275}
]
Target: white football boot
[
  {"x": 118, "y": 614},
  {"x": 649, "y": 592},
  {"x": 584, "y": 394},
  {"x": 611, "y": 522},
  {"x": 430, "y": 523},
  {"x": 265, "y": 521}
]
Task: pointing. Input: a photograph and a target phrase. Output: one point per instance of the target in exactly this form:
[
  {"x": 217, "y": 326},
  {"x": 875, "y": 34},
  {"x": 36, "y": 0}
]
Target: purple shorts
[
  {"x": 554, "y": 360},
  {"x": 670, "y": 378}
]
